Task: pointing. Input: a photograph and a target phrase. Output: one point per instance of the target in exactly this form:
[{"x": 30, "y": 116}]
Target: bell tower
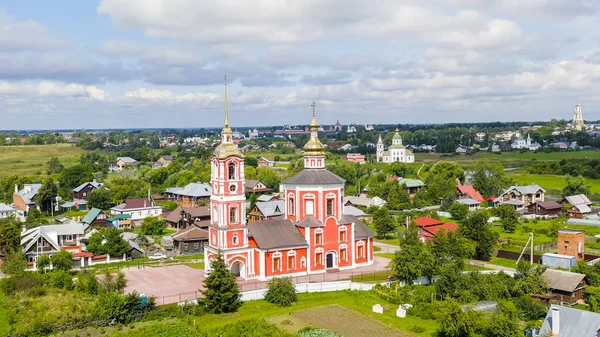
[{"x": 227, "y": 230}]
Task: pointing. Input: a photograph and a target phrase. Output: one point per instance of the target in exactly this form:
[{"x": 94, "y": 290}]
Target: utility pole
[{"x": 531, "y": 255}]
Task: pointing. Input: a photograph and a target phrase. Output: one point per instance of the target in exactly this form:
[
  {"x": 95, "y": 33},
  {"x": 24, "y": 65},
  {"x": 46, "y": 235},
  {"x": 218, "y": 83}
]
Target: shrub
[
  {"x": 417, "y": 329},
  {"x": 61, "y": 279},
  {"x": 529, "y": 310},
  {"x": 281, "y": 292},
  {"x": 24, "y": 282},
  {"x": 316, "y": 332}
]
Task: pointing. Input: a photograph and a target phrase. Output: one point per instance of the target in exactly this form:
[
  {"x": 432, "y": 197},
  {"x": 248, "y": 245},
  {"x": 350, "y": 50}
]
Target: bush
[
  {"x": 24, "y": 282},
  {"x": 61, "y": 279},
  {"x": 529, "y": 310},
  {"x": 281, "y": 292},
  {"x": 316, "y": 332},
  {"x": 417, "y": 329}
]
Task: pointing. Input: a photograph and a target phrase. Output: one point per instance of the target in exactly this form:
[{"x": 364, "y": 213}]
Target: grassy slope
[
  {"x": 552, "y": 183},
  {"x": 30, "y": 160},
  {"x": 4, "y": 326},
  {"x": 511, "y": 156}
]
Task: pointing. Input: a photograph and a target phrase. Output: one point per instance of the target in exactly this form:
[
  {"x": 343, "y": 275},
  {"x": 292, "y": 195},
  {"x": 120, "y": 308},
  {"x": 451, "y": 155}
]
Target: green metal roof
[
  {"x": 399, "y": 146},
  {"x": 397, "y": 136},
  {"x": 91, "y": 216},
  {"x": 406, "y": 182}
]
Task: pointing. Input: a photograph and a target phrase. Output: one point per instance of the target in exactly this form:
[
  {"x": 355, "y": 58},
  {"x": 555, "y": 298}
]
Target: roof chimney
[{"x": 555, "y": 321}]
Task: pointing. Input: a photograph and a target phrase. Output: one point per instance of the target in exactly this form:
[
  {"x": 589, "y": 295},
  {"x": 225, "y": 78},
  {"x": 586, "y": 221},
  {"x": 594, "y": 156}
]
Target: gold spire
[
  {"x": 314, "y": 145},
  {"x": 314, "y": 125},
  {"x": 226, "y": 128}
]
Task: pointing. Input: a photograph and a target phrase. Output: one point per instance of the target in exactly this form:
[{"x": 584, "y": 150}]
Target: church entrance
[
  {"x": 330, "y": 260},
  {"x": 237, "y": 269}
]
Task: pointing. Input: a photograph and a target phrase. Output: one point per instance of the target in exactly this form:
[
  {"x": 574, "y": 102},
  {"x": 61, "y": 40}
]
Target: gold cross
[{"x": 314, "y": 106}]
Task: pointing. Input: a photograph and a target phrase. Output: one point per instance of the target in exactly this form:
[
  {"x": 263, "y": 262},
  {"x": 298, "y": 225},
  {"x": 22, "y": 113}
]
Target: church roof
[
  {"x": 309, "y": 221},
  {"x": 314, "y": 177},
  {"x": 397, "y": 146},
  {"x": 361, "y": 231},
  {"x": 270, "y": 234},
  {"x": 397, "y": 136}
]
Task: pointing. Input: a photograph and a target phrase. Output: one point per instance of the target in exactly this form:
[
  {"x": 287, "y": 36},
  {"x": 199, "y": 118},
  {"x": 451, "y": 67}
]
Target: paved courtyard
[{"x": 173, "y": 284}]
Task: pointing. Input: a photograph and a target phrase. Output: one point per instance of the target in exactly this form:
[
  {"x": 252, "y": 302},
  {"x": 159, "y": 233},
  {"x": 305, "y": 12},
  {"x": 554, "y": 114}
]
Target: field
[
  {"x": 551, "y": 183},
  {"x": 4, "y": 326},
  {"x": 508, "y": 159},
  {"x": 31, "y": 160}
]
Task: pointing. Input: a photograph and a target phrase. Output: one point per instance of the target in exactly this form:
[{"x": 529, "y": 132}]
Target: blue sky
[{"x": 160, "y": 63}]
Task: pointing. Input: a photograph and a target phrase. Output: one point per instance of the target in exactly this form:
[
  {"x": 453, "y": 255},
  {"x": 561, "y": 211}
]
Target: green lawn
[
  {"x": 4, "y": 325},
  {"x": 196, "y": 265},
  {"x": 503, "y": 262},
  {"x": 552, "y": 183},
  {"x": 31, "y": 160},
  {"x": 511, "y": 157},
  {"x": 361, "y": 301}
]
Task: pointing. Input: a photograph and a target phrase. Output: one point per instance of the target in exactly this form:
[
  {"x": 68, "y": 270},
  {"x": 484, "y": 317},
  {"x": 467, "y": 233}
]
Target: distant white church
[
  {"x": 395, "y": 153},
  {"x": 521, "y": 143},
  {"x": 578, "y": 119}
]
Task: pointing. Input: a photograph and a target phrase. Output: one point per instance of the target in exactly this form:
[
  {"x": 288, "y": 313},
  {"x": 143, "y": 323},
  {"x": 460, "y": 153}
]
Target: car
[{"x": 157, "y": 256}]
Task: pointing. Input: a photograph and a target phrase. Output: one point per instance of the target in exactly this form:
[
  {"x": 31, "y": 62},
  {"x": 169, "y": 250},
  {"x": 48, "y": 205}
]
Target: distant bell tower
[
  {"x": 314, "y": 151},
  {"x": 380, "y": 149},
  {"x": 578, "y": 118}
]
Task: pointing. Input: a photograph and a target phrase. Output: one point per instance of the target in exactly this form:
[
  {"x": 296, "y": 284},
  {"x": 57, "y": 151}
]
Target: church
[
  {"x": 314, "y": 235},
  {"x": 396, "y": 152}
]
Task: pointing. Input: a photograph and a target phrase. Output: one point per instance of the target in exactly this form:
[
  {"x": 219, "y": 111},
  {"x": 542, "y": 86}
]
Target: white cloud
[
  {"x": 26, "y": 35},
  {"x": 144, "y": 96},
  {"x": 52, "y": 89}
]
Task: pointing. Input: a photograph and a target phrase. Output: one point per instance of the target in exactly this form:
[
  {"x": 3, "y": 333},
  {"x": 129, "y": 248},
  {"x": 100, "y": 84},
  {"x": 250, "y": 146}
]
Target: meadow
[
  {"x": 508, "y": 159},
  {"x": 553, "y": 184},
  {"x": 32, "y": 160}
]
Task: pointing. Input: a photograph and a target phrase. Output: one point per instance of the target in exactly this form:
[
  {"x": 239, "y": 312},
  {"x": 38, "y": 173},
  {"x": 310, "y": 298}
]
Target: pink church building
[{"x": 314, "y": 236}]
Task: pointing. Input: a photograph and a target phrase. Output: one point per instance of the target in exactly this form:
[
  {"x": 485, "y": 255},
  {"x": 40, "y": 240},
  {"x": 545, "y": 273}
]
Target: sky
[{"x": 75, "y": 64}]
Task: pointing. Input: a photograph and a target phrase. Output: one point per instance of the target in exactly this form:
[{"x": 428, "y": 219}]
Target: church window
[
  {"x": 215, "y": 215},
  {"x": 231, "y": 171},
  {"x": 310, "y": 207},
  {"x": 291, "y": 261},
  {"x": 303, "y": 262},
  {"x": 232, "y": 187},
  {"x": 360, "y": 251},
  {"x": 343, "y": 235},
  {"x": 318, "y": 239},
  {"x": 291, "y": 206},
  {"x": 343, "y": 254},
  {"x": 234, "y": 239},
  {"x": 277, "y": 262},
  {"x": 233, "y": 215},
  {"x": 319, "y": 259},
  {"x": 329, "y": 207}
]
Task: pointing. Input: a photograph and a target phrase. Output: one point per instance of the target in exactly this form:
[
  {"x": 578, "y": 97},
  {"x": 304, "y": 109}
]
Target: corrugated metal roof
[
  {"x": 191, "y": 190},
  {"x": 314, "y": 177},
  {"x": 271, "y": 234},
  {"x": 93, "y": 183},
  {"x": 361, "y": 231},
  {"x": 562, "y": 280},
  {"x": 573, "y": 323},
  {"x": 351, "y": 210},
  {"x": 309, "y": 221},
  {"x": 271, "y": 208},
  {"x": 577, "y": 199}
]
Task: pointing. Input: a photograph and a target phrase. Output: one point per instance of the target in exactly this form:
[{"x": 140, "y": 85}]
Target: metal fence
[{"x": 325, "y": 278}]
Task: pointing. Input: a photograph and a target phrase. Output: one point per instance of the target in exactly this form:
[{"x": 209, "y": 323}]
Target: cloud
[
  {"x": 52, "y": 89},
  {"x": 26, "y": 35}
]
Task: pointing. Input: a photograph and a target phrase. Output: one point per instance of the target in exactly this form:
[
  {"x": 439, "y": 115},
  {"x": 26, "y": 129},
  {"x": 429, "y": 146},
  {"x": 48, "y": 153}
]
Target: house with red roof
[
  {"x": 428, "y": 227},
  {"x": 470, "y": 191}
]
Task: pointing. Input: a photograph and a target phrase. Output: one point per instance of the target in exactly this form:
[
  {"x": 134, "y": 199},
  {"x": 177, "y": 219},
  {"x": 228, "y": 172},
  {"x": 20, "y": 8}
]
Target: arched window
[
  {"x": 231, "y": 170},
  {"x": 310, "y": 207},
  {"x": 215, "y": 215},
  {"x": 291, "y": 260},
  {"x": 233, "y": 215}
]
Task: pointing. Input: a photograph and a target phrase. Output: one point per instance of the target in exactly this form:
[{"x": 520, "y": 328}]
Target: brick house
[{"x": 571, "y": 242}]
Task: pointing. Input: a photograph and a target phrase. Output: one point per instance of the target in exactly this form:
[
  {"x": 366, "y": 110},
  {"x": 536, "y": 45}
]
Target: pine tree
[{"x": 221, "y": 293}]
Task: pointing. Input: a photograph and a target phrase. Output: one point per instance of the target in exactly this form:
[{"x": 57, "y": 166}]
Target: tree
[
  {"x": 54, "y": 166},
  {"x": 503, "y": 323},
  {"x": 489, "y": 178},
  {"x": 100, "y": 198},
  {"x": 454, "y": 322},
  {"x": 74, "y": 176},
  {"x": 448, "y": 201},
  {"x": 450, "y": 248},
  {"x": 575, "y": 185},
  {"x": 46, "y": 195},
  {"x": 62, "y": 260},
  {"x": 43, "y": 262},
  {"x": 529, "y": 280},
  {"x": 94, "y": 244},
  {"x": 383, "y": 222},
  {"x": 152, "y": 225},
  {"x": 281, "y": 292},
  {"x": 115, "y": 245},
  {"x": 592, "y": 298},
  {"x": 509, "y": 217},
  {"x": 591, "y": 272},
  {"x": 14, "y": 263},
  {"x": 413, "y": 260},
  {"x": 476, "y": 227},
  {"x": 221, "y": 294},
  {"x": 10, "y": 235},
  {"x": 124, "y": 188},
  {"x": 458, "y": 211},
  {"x": 269, "y": 177}
]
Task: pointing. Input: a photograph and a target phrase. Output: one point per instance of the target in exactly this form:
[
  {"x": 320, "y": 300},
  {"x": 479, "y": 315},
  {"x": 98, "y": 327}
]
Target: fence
[
  {"x": 319, "y": 280},
  {"x": 141, "y": 264}
]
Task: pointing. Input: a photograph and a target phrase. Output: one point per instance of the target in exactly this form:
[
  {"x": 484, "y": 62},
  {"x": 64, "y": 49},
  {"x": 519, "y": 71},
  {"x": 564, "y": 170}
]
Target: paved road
[{"x": 490, "y": 266}]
